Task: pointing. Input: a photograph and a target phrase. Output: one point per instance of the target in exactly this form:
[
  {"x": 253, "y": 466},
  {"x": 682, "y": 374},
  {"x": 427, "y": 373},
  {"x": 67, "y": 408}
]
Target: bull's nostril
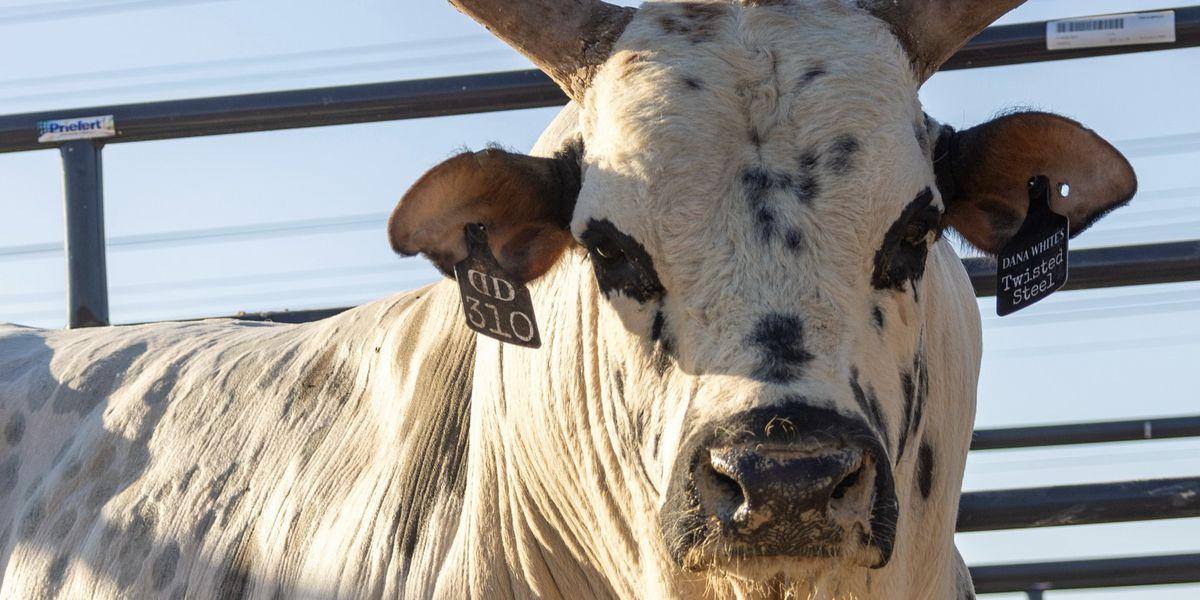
[
  {"x": 846, "y": 484},
  {"x": 728, "y": 491}
]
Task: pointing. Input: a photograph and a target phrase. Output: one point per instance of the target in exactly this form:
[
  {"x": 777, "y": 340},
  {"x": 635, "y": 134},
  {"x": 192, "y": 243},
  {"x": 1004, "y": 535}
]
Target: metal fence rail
[
  {"x": 1035, "y": 578},
  {"x": 1086, "y": 504},
  {"x": 1086, "y": 433}
]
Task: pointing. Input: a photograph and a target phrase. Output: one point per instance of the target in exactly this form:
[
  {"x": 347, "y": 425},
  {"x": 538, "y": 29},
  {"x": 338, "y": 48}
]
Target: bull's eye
[
  {"x": 607, "y": 250},
  {"x": 917, "y": 231}
]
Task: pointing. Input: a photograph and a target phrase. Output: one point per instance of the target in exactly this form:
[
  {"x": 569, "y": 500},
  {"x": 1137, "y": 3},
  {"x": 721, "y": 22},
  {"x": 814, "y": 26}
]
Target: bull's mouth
[{"x": 709, "y": 527}]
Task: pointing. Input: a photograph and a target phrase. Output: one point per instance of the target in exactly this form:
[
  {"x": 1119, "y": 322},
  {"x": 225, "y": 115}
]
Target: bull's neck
[{"x": 545, "y": 509}]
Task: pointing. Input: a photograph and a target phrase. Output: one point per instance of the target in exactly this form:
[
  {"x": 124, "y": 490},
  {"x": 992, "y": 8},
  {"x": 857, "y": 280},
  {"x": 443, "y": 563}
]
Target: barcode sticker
[{"x": 1112, "y": 30}]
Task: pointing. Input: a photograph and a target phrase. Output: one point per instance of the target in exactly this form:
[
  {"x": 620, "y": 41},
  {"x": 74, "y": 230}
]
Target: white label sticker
[
  {"x": 1111, "y": 30},
  {"x": 63, "y": 130}
]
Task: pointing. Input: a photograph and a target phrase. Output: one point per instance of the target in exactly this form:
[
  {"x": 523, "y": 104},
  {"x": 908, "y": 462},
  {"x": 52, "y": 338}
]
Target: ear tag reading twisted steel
[
  {"x": 495, "y": 304},
  {"x": 1033, "y": 264}
]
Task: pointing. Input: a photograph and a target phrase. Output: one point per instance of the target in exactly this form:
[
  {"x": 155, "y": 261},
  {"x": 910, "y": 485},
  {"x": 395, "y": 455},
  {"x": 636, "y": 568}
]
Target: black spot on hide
[
  {"x": 901, "y": 256},
  {"x": 697, "y": 21},
  {"x": 877, "y": 315},
  {"x": 909, "y": 389},
  {"x": 755, "y": 138},
  {"x": 793, "y": 239},
  {"x": 779, "y": 340},
  {"x": 758, "y": 183},
  {"x": 765, "y": 223},
  {"x": 15, "y": 429},
  {"x": 55, "y": 574},
  {"x": 664, "y": 347},
  {"x": 925, "y": 469},
  {"x": 622, "y": 265},
  {"x": 235, "y": 582},
  {"x": 841, "y": 155},
  {"x": 868, "y": 403}
]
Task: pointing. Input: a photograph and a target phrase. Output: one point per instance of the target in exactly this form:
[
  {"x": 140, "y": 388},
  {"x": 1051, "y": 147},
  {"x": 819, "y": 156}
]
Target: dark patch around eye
[
  {"x": 841, "y": 155},
  {"x": 901, "y": 256},
  {"x": 692, "y": 83},
  {"x": 813, "y": 73},
  {"x": 877, "y": 315},
  {"x": 925, "y": 469},
  {"x": 779, "y": 340},
  {"x": 633, "y": 275}
]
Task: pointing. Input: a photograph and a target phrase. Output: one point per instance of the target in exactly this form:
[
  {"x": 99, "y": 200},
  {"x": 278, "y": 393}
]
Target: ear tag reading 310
[
  {"x": 1033, "y": 264},
  {"x": 493, "y": 302}
]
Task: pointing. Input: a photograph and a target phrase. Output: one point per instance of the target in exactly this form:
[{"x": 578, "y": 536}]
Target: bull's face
[{"x": 759, "y": 205}]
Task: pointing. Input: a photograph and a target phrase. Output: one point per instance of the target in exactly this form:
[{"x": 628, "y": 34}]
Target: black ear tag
[
  {"x": 494, "y": 303},
  {"x": 1033, "y": 264}
]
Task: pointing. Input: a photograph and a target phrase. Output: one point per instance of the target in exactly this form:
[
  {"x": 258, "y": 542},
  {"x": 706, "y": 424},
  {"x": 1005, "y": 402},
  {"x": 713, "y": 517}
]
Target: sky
[{"x": 301, "y": 213}]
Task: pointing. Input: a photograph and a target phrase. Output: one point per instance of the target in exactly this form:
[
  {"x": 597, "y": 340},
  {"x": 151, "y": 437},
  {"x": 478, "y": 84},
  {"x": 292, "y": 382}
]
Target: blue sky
[{"x": 1077, "y": 356}]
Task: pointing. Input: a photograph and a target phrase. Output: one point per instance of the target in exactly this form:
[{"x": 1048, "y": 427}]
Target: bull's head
[{"x": 765, "y": 377}]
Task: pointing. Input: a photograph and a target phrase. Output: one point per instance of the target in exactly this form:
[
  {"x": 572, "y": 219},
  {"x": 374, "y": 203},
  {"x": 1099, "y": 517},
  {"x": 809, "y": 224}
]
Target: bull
[{"x": 758, "y": 350}]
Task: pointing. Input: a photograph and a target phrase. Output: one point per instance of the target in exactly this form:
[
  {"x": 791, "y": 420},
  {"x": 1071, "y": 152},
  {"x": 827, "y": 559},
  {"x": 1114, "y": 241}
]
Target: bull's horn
[
  {"x": 933, "y": 30},
  {"x": 567, "y": 39}
]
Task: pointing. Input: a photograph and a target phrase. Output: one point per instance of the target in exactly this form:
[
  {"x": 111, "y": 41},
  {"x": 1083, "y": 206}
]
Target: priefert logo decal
[{"x": 82, "y": 128}]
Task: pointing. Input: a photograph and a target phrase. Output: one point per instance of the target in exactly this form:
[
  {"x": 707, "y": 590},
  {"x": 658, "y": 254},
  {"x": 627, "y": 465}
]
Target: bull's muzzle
[{"x": 797, "y": 481}]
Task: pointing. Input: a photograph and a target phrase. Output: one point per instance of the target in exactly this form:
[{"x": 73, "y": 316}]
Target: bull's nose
[{"x": 779, "y": 492}]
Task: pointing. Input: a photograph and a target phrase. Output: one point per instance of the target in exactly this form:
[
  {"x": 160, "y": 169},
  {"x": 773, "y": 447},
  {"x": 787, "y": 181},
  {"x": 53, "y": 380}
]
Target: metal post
[
  {"x": 1034, "y": 594},
  {"x": 87, "y": 276}
]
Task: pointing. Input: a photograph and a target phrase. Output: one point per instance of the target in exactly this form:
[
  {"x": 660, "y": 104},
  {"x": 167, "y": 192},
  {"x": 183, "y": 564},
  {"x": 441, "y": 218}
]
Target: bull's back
[{"x": 221, "y": 458}]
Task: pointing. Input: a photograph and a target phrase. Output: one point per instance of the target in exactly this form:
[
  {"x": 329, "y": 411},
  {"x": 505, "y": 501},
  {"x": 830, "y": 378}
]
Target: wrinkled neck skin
[{"x": 562, "y": 497}]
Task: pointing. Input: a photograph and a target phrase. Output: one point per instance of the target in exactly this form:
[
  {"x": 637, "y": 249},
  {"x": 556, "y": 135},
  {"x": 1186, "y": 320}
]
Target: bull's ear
[
  {"x": 982, "y": 174},
  {"x": 525, "y": 202}
]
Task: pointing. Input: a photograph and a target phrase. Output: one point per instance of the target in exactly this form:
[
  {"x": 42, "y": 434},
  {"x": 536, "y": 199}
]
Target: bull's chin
[
  {"x": 772, "y": 577},
  {"x": 747, "y": 564}
]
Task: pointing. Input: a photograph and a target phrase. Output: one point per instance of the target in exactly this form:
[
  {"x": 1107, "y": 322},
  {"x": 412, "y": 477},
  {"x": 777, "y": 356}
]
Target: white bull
[{"x": 758, "y": 361}]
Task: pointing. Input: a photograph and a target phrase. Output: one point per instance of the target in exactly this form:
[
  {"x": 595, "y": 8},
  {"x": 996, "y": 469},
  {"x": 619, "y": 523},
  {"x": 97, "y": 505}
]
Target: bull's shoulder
[{"x": 226, "y": 454}]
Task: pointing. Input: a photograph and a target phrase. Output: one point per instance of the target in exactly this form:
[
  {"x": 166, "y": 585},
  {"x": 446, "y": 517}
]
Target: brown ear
[
  {"x": 525, "y": 202},
  {"x": 982, "y": 174}
]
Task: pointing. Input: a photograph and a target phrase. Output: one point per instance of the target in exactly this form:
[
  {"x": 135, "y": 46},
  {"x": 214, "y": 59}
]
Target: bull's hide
[{"x": 219, "y": 458}]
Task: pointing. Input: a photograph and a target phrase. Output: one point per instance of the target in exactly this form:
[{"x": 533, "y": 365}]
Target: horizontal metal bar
[
  {"x": 1084, "y": 504},
  {"x": 1093, "y": 268},
  {"x": 999, "y": 45},
  {"x": 1086, "y": 433},
  {"x": 1026, "y": 43},
  {"x": 1084, "y": 574},
  {"x": 271, "y": 111}
]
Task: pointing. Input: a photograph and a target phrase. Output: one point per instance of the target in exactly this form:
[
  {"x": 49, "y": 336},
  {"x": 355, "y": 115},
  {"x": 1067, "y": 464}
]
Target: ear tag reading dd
[
  {"x": 494, "y": 303},
  {"x": 1033, "y": 264}
]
